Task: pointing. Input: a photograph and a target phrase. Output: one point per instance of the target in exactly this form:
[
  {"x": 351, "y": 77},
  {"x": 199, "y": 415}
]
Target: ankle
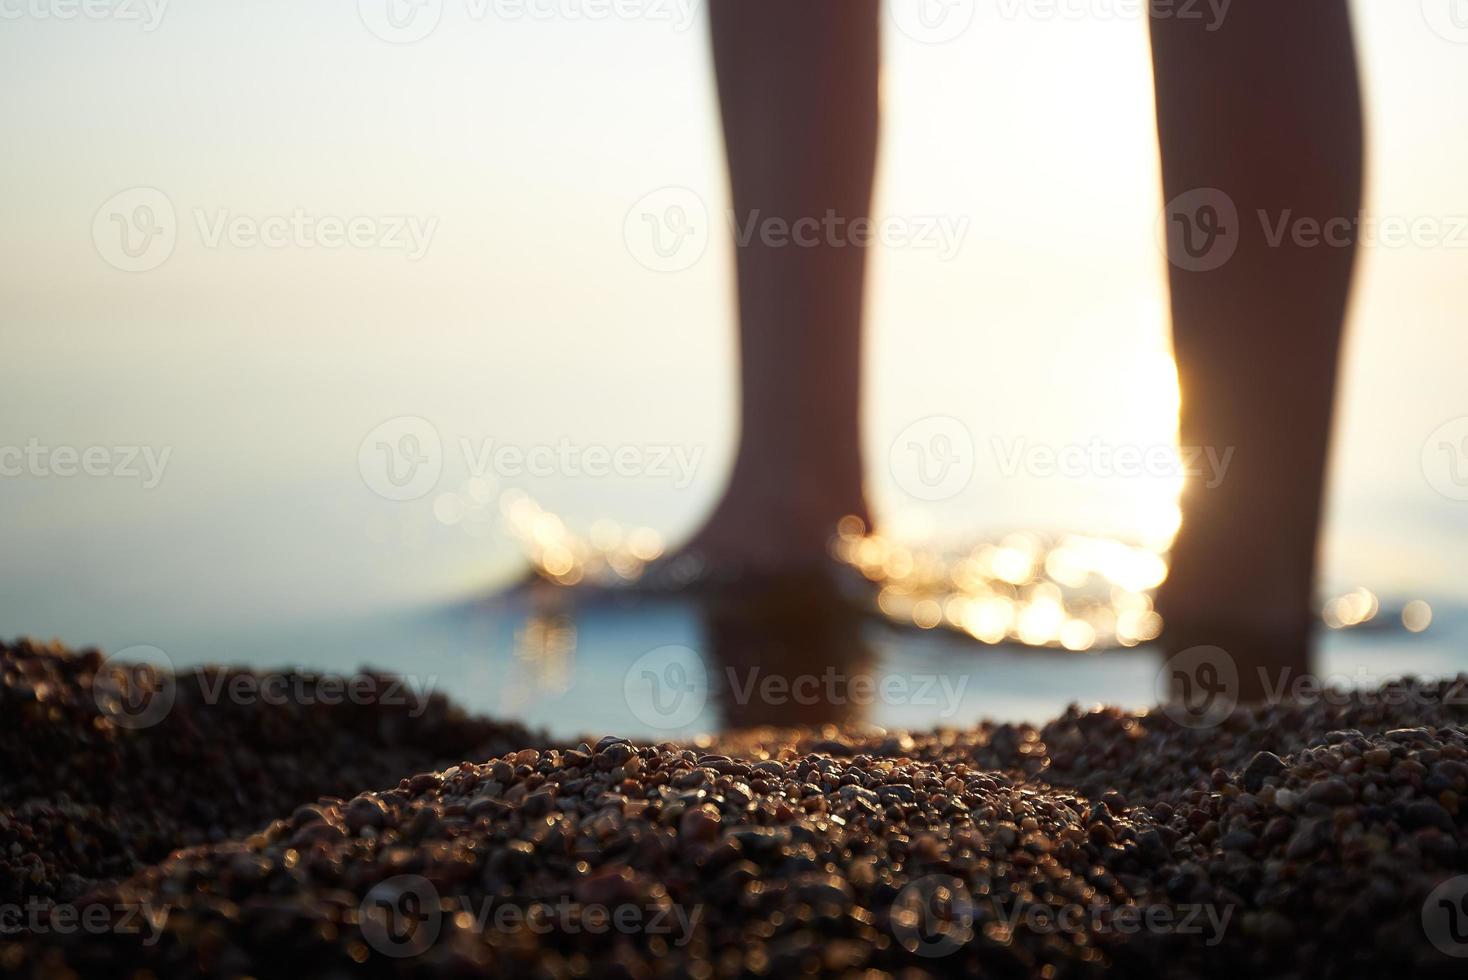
[{"x": 767, "y": 534}]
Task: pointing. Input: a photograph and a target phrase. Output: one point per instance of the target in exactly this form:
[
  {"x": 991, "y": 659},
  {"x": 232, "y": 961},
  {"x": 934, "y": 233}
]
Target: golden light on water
[
  {"x": 609, "y": 554},
  {"x": 645, "y": 544},
  {"x": 1416, "y": 616},
  {"x": 1073, "y": 592},
  {"x": 545, "y": 660},
  {"x": 557, "y": 560},
  {"x": 1362, "y": 609},
  {"x": 927, "y": 614},
  {"x": 1077, "y": 635},
  {"x": 1352, "y": 609}
]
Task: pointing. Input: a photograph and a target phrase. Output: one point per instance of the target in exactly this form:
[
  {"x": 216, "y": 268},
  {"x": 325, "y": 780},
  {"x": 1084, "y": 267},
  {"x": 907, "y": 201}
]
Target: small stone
[
  {"x": 539, "y": 803},
  {"x": 364, "y": 811},
  {"x": 486, "y": 805},
  {"x": 1264, "y": 766},
  {"x": 423, "y": 782},
  {"x": 1381, "y": 758},
  {"x": 700, "y": 823},
  {"x": 1329, "y": 792},
  {"x": 1311, "y": 836},
  {"x": 1275, "y": 930},
  {"x": 1428, "y": 813},
  {"x": 770, "y": 769}
]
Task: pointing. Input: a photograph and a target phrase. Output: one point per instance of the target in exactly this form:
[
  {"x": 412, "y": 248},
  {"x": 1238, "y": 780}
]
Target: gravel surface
[
  {"x": 85, "y": 798},
  {"x": 1325, "y": 839}
]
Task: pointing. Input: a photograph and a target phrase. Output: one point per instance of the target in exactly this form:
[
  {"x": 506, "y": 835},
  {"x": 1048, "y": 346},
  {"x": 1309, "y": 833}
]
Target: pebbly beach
[{"x": 1325, "y": 838}]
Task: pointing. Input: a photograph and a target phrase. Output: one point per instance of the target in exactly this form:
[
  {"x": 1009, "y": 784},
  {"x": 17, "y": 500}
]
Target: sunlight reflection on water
[{"x": 1072, "y": 592}]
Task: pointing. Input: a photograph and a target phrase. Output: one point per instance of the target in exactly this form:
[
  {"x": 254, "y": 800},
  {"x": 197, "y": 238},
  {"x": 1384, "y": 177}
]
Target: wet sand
[{"x": 1324, "y": 839}]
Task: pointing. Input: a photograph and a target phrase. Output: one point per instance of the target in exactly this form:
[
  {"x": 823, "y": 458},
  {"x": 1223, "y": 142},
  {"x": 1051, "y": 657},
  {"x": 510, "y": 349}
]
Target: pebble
[
  {"x": 1379, "y": 757},
  {"x": 1329, "y": 792},
  {"x": 1264, "y": 766},
  {"x": 700, "y": 823},
  {"x": 1428, "y": 813}
]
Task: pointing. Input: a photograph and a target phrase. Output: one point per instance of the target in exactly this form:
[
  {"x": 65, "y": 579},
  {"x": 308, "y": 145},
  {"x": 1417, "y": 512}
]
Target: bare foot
[{"x": 771, "y": 529}]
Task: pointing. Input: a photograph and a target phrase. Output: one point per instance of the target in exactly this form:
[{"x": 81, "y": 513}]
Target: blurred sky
[{"x": 529, "y": 320}]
